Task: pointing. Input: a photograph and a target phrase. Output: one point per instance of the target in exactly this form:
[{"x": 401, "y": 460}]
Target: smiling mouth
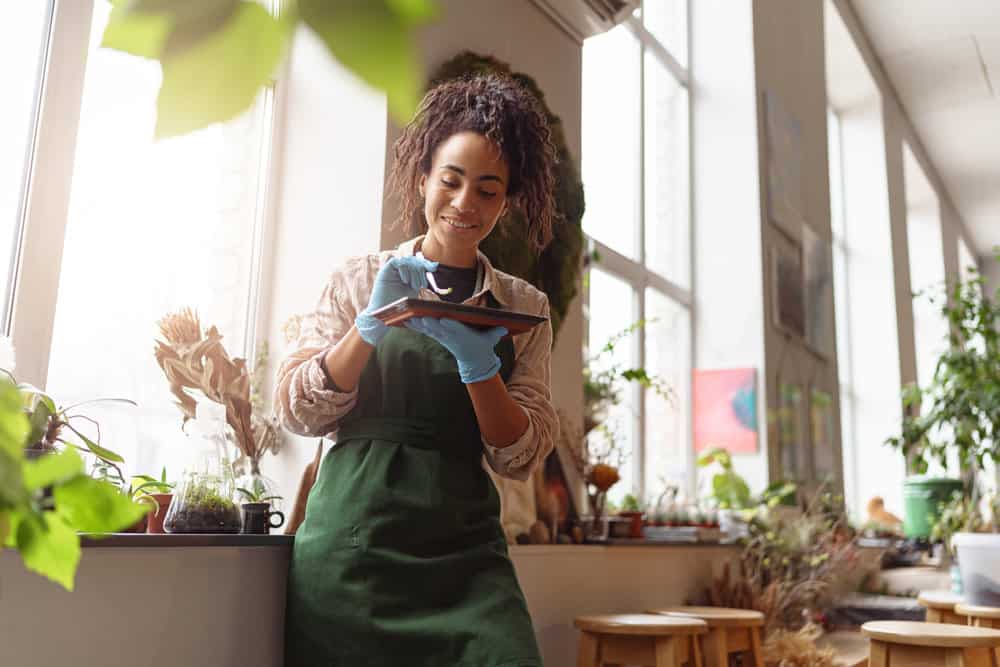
[{"x": 458, "y": 225}]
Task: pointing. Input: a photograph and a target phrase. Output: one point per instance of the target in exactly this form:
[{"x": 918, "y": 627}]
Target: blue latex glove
[
  {"x": 472, "y": 349},
  {"x": 398, "y": 278}
]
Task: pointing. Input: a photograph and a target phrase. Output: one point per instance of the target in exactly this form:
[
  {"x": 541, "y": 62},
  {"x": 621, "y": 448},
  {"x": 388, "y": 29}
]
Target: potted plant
[
  {"x": 158, "y": 494},
  {"x": 631, "y": 510},
  {"x": 958, "y": 412},
  {"x": 731, "y": 494},
  {"x": 256, "y": 511},
  {"x": 42, "y": 525},
  {"x": 199, "y": 507}
]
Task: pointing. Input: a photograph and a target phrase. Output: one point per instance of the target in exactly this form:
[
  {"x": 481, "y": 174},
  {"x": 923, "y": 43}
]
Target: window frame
[
  {"x": 635, "y": 272},
  {"x": 48, "y": 184}
]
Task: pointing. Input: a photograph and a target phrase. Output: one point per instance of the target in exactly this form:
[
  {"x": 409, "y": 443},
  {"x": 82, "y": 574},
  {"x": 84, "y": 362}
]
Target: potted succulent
[
  {"x": 158, "y": 494},
  {"x": 630, "y": 510}
]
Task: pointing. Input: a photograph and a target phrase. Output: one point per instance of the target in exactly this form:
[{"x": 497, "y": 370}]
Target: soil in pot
[{"x": 199, "y": 508}]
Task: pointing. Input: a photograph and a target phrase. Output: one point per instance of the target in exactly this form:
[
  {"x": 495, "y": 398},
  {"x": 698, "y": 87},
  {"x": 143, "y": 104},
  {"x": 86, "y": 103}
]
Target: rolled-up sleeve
[
  {"x": 306, "y": 401},
  {"x": 529, "y": 386}
]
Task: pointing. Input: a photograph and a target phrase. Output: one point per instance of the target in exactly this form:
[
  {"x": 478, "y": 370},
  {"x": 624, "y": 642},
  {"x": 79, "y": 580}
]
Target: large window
[
  {"x": 152, "y": 226},
  {"x": 636, "y": 175},
  {"x": 24, "y": 33}
]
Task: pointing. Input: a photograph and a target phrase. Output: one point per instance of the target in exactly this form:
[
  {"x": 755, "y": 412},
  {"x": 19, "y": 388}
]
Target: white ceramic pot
[{"x": 979, "y": 563}]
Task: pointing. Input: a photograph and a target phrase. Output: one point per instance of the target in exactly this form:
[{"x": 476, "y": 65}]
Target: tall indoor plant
[{"x": 958, "y": 412}]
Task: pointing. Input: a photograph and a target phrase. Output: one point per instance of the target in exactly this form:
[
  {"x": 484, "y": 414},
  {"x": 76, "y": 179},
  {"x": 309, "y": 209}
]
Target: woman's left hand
[{"x": 472, "y": 348}]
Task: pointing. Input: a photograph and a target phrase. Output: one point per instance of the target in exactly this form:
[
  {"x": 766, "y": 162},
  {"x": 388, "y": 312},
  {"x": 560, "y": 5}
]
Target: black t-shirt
[{"x": 461, "y": 280}]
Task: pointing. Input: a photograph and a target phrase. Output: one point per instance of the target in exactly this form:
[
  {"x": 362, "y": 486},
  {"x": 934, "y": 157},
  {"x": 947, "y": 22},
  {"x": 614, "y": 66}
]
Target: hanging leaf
[
  {"x": 49, "y": 547},
  {"x": 93, "y": 506},
  {"x": 373, "y": 38},
  {"x": 217, "y": 78},
  {"x": 52, "y": 469}
]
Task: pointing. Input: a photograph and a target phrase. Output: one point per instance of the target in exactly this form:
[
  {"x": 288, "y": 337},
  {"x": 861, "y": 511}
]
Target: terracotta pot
[
  {"x": 635, "y": 530},
  {"x": 155, "y": 519}
]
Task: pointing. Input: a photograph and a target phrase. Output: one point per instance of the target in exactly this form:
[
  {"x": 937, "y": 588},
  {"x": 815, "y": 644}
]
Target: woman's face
[{"x": 465, "y": 193}]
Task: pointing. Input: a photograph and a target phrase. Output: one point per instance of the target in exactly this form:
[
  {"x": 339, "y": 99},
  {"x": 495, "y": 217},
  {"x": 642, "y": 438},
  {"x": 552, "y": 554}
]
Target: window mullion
[{"x": 36, "y": 283}]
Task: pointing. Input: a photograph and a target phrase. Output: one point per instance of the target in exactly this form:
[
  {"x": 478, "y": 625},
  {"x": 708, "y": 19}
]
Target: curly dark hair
[{"x": 500, "y": 109}]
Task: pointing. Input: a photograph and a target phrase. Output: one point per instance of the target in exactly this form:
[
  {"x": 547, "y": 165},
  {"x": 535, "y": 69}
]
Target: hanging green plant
[{"x": 557, "y": 270}]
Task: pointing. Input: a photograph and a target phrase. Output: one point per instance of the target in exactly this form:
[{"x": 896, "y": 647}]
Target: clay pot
[
  {"x": 155, "y": 519},
  {"x": 635, "y": 529}
]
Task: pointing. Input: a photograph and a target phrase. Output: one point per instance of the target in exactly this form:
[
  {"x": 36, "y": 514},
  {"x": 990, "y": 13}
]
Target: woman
[{"x": 401, "y": 559}]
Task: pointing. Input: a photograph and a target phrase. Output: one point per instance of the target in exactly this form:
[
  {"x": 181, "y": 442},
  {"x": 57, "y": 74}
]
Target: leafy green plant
[
  {"x": 958, "y": 515},
  {"x": 216, "y": 55},
  {"x": 256, "y": 496},
  {"x": 730, "y": 490},
  {"x": 49, "y": 425},
  {"x": 959, "y": 410},
  {"x": 144, "y": 487},
  {"x": 630, "y": 504},
  {"x": 45, "y": 502},
  {"x": 605, "y": 379}
]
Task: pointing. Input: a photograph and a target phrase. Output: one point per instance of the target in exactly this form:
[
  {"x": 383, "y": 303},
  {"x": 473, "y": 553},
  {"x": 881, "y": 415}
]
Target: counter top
[{"x": 188, "y": 540}]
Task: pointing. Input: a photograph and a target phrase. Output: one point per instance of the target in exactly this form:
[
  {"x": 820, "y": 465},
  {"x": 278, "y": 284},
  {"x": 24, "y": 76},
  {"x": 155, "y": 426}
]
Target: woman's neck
[{"x": 449, "y": 256}]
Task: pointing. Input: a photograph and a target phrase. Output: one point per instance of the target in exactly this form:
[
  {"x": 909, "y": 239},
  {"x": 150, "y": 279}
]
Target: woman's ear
[{"x": 421, "y": 187}]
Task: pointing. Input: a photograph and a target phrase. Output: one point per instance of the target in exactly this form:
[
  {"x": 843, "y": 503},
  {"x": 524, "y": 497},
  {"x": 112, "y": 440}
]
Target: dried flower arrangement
[
  {"x": 790, "y": 566},
  {"x": 195, "y": 359},
  {"x": 596, "y": 462}
]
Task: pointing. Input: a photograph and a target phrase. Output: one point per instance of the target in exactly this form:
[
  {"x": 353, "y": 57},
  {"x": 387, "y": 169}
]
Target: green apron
[{"x": 401, "y": 559}]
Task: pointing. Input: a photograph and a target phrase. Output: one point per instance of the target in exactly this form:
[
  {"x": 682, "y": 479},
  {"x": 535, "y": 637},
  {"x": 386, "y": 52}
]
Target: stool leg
[
  {"x": 755, "y": 648},
  {"x": 588, "y": 653},
  {"x": 696, "y": 661},
  {"x": 666, "y": 652},
  {"x": 974, "y": 657},
  {"x": 716, "y": 654},
  {"x": 878, "y": 656}
]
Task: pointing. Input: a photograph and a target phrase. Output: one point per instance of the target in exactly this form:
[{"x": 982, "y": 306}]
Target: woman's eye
[
  {"x": 488, "y": 195},
  {"x": 449, "y": 184}
]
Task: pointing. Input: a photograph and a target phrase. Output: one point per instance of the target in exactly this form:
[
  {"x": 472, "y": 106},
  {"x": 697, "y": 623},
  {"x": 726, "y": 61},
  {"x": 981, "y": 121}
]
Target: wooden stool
[
  {"x": 913, "y": 644},
  {"x": 639, "y": 639},
  {"x": 940, "y": 607},
  {"x": 730, "y": 631},
  {"x": 980, "y": 617}
]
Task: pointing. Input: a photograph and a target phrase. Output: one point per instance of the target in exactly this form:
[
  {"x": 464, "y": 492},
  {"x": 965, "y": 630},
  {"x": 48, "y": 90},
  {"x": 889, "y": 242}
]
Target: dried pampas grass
[{"x": 193, "y": 360}]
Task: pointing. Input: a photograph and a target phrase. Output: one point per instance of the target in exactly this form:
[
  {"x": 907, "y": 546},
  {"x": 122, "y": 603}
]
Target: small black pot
[{"x": 257, "y": 518}]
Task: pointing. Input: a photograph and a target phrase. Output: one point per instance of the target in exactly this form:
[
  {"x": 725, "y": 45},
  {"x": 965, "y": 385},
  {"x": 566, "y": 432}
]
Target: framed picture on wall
[
  {"x": 821, "y": 427},
  {"x": 783, "y": 141},
  {"x": 817, "y": 276},
  {"x": 791, "y": 432},
  {"x": 724, "y": 404},
  {"x": 787, "y": 296}
]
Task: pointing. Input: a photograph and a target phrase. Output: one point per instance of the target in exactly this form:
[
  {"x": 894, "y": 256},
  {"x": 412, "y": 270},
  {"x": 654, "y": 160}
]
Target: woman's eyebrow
[{"x": 461, "y": 172}]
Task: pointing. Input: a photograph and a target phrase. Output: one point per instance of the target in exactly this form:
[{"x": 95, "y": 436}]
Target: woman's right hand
[{"x": 399, "y": 277}]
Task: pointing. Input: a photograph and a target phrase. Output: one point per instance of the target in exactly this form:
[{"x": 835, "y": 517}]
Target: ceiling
[{"x": 943, "y": 58}]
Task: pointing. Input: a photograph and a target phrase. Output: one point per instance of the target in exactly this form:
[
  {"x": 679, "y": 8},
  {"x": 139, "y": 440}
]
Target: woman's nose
[{"x": 463, "y": 202}]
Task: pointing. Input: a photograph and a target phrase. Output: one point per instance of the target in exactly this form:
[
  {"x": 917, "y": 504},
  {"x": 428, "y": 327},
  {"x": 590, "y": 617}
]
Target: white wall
[
  {"x": 331, "y": 139},
  {"x": 727, "y": 252}
]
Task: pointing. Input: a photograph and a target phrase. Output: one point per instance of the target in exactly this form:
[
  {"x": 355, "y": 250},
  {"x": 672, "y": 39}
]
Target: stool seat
[
  {"x": 977, "y": 611},
  {"x": 717, "y": 617},
  {"x": 645, "y": 625},
  {"x": 940, "y": 607},
  {"x": 730, "y": 632},
  {"x": 945, "y": 600},
  {"x": 939, "y": 635},
  {"x": 639, "y": 639}
]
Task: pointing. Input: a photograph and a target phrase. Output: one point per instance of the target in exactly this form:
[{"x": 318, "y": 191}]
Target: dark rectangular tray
[{"x": 397, "y": 312}]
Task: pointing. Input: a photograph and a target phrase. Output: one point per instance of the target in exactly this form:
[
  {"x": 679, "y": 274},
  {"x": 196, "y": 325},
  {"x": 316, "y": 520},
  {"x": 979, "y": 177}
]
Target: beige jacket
[{"x": 307, "y": 406}]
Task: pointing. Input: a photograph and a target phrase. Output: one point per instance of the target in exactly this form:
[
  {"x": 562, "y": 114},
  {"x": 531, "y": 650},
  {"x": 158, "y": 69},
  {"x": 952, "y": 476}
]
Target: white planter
[{"x": 979, "y": 563}]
